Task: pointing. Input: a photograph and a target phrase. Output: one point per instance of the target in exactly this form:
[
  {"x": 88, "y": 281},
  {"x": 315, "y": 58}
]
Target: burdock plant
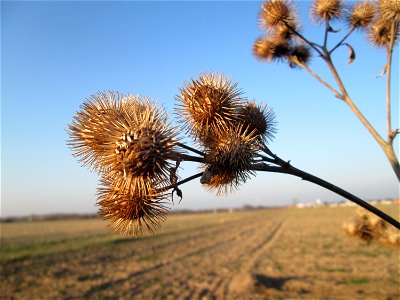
[
  {"x": 129, "y": 142},
  {"x": 284, "y": 41},
  {"x": 369, "y": 228}
]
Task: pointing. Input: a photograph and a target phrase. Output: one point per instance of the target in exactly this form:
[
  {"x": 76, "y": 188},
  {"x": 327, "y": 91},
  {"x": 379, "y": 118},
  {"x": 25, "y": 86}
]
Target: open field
[{"x": 263, "y": 254}]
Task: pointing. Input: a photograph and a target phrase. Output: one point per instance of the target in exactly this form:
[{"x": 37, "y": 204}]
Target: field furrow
[{"x": 255, "y": 254}]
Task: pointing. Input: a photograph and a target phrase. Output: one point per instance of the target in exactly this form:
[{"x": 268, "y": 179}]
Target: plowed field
[{"x": 261, "y": 254}]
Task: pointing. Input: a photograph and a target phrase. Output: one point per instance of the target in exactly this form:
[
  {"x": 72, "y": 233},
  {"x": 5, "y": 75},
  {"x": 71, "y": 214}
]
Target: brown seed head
[
  {"x": 208, "y": 103},
  {"x": 258, "y": 119},
  {"x": 285, "y": 32},
  {"x": 144, "y": 150},
  {"x": 276, "y": 13},
  {"x": 379, "y": 33},
  {"x": 87, "y": 130},
  {"x": 124, "y": 135},
  {"x": 361, "y": 15},
  {"x": 271, "y": 49},
  {"x": 132, "y": 206},
  {"x": 390, "y": 9},
  {"x": 361, "y": 229},
  {"x": 229, "y": 161},
  {"x": 326, "y": 10},
  {"x": 391, "y": 238},
  {"x": 299, "y": 54},
  {"x": 369, "y": 227}
]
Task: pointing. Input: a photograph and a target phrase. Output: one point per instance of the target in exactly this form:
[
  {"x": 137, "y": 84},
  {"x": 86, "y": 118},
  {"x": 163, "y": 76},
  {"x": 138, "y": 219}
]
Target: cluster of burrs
[
  {"x": 128, "y": 141},
  {"x": 284, "y": 40},
  {"x": 370, "y": 228}
]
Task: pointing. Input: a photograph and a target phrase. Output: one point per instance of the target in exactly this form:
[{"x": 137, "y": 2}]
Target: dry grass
[{"x": 265, "y": 254}]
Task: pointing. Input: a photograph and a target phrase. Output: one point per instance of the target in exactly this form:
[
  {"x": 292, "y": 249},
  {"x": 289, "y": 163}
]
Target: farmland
[{"x": 256, "y": 254}]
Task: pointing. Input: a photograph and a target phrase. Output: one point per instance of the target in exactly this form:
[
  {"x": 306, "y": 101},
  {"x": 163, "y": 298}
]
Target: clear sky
[{"x": 56, "y": 54}]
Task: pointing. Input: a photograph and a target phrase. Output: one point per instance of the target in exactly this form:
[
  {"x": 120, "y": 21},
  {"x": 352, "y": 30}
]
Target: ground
[{"x": 285, "y": 253}]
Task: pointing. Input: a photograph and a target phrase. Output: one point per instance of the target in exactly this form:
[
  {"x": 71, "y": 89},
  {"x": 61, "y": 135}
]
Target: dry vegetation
[{"x": 263, "y": 254}]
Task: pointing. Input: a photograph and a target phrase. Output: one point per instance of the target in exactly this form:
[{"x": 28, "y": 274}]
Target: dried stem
[
  {"x": 343, "y": 39},
  {"x": 183, "y": 181},
  {"x": 386, "y": 147},
  {"x": 282, "y": 166},
  {"x": 327, "y": 26},
  {"x": 391, "y": 134},
  {"x": 191, "y": 149},
  {"x": 305, "y": 40},
  {"x": 315, "y": 75},
  {"x": 185, "y": 157}
]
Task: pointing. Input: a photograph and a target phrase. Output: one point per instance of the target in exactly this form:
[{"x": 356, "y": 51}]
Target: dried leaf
[
  {"x": 352, "y": 55},
  {"x": 330, "y": 29},
  {"x": 383, "y": 72}
]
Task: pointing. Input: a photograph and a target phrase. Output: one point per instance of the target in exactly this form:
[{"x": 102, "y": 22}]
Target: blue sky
[{"x": 56, "y": 54}]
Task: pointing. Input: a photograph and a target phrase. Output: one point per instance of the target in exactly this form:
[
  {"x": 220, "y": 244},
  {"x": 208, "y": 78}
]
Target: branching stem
[
  {"x": 316, "y": 47},
  {"x": 386, "y": 147},
  {"x": 182, "y": 181},
  {"x": 315, "y": 75},
  {"x": 343, "y": 39}
]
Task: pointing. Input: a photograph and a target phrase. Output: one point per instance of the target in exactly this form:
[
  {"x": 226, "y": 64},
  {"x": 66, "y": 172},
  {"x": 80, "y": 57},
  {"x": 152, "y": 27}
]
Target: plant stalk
[
  {"x": 391, "y": 134},
  {"x": 287, "y": 168},
  {"x": 182, "y": 181},
  {"x": 342, "y": 40},
  {"x": 387, "y": 148},
  {"x": 315, "y": 75},
  {"x": 191, "y": 149},
  {"x": 185, "y": 157}
]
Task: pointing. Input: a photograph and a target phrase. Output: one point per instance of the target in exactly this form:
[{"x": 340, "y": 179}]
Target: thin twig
[
  {"x": 327, "y": 26},
  {"x": 343, "y": 39},
  {"x": 327, "y": 85},
  {"x": 185, "y": 157},
  {"x": 387, "y": 148},
  {"x": 390, "y": 133},
  {"x": 304, "y": 39},
  {"x": 191, "y": 149},
  {"x": 182, "y": 181},
  {"x": 265, "y": 158},
  {"x": 289, "y": 169}
]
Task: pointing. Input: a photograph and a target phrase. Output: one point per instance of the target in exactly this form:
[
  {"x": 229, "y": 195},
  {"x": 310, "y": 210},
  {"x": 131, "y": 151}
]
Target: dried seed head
[
  {"x": 379, "y": 33},
  {"x": 258, "y": 119},
  {"x": 391, "y": 238},
  {"x": 277, "y": 13},
  {"x": 369, "y": 227},
  {"x": 87, "y": 130},
  {"x": 299, "y": 54},
  {"x": 326, "y": 10},
  {"x": 390, "y": 9},
  {"x": 132, "y": 206},
  {"x": 229, "y": 161},
  {"x": 207, "y": 104},
  {"x": 285, "y": 32},
  {"x": 360, "y": 228},
  {"x": 124, "y": 135},
  {"x": 144, "y": 150},
  {"x": 271, "y": 49},
  {"x": 361, "y": 15}
]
